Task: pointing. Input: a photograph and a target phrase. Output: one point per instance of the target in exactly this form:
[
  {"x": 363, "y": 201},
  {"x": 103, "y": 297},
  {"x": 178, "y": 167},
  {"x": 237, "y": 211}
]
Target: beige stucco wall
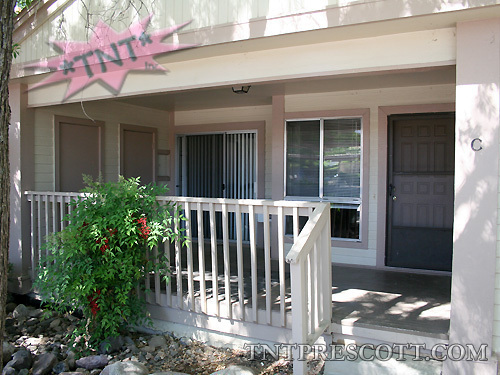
[
  {"x": 220, "y": 21},
  {"x": 496, "y": 324},
  {"x": 112, "y": 114},
  {"x": 372, "y": 54},
  {"x": 372, "y": 99}
]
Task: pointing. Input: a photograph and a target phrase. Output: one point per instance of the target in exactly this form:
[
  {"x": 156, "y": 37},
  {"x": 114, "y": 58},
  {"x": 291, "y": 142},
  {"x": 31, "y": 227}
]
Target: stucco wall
[
  {"x": 496, "y": 323},
  {"x": 112, "y": 114},
  {"x": 219, "y": 21}
]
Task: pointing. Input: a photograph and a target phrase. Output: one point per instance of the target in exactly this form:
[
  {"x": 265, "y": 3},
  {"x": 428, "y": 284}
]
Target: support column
[
  {"x": 22, "y": 173},
  {"x": 476, "y": 194},
  {"x": 278, "y": 164},
  {"x": 278, "y": 148},
  {"x": 173, "y": 154}
]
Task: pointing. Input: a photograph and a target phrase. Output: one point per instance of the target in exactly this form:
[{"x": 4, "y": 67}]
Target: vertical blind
[
  {"x": 218, "y": 166},
  {"x": 323, "y": 158},
  {"x": 342, "y": 158},
  {"x": 302, "y": 159}
]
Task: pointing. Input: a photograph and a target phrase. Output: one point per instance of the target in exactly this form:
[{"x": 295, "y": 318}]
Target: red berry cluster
[
  {"x": 94, "y": 307},
  {"x": 105, "y": 245},
  {"x": 143, "y": 228}
]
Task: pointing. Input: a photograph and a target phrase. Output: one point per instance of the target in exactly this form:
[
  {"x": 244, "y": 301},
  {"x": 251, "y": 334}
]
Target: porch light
[{"x": 243, "y": 90}]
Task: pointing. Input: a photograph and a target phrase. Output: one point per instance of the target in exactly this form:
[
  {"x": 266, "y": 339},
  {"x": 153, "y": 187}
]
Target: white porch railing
[
  {"x": 311, "y": 276},
  {"x": 219, "y": 274}
]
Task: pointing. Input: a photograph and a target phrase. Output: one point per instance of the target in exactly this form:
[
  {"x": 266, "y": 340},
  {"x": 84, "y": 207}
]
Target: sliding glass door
[{"x": 222, "y": 165}]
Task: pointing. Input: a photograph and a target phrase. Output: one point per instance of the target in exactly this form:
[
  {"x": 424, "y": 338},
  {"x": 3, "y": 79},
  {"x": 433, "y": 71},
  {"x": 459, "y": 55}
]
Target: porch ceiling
[{"x": 261, "y": 94}]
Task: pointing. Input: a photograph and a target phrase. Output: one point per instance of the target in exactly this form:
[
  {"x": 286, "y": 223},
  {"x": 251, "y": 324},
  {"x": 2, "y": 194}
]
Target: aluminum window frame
[{"x": 357, "y": 203}]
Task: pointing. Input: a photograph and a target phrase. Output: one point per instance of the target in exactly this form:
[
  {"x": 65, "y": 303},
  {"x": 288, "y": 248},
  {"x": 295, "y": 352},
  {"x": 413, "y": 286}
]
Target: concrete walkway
[{"x": 393, "y": 299}]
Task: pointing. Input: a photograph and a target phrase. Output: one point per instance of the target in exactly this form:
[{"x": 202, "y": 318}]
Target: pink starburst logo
[{"x": 108, "y": 56}]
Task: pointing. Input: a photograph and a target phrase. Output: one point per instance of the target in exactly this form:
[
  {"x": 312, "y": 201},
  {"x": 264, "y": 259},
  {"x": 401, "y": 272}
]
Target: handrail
[
  {"x": 251, "y": 202},
  {"x": 309, "y": 234},
  {"x": 311, "y": 283}
]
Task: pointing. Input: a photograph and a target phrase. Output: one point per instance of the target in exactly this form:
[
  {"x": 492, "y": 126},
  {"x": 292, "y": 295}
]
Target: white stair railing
[
  {"x": 311, "y": 278},
  {"x": 250, "y": 278}
]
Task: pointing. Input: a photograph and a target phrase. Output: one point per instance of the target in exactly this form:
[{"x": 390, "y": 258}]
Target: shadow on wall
[{"x": 475, "y": 225}]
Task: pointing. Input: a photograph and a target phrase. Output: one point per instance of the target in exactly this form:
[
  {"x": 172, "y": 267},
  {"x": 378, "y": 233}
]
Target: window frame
[{"x": 363, "y": 201}]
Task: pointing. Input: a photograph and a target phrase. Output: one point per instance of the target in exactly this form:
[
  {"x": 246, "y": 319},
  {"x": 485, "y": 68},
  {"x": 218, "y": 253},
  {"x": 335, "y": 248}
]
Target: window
[{"x": 323, "y": 162}]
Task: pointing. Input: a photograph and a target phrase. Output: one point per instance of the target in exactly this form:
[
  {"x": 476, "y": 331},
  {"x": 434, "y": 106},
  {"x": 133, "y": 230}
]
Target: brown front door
[{"x": 420, "y": 191}]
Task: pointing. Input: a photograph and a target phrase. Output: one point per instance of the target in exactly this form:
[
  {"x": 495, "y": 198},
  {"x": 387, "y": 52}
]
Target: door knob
[{"x": 394, "y": 198}]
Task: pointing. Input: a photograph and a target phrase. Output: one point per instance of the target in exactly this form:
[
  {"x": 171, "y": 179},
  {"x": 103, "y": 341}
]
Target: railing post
[{"x": 299, "y": 314}]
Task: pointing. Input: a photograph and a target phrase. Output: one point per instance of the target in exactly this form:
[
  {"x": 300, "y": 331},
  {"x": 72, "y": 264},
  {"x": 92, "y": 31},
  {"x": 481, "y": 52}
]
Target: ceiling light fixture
[{"x": 243, "y": 90}]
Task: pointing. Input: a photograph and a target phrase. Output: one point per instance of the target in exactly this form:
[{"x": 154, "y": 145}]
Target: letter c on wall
[{"x": 476, "y": 144}]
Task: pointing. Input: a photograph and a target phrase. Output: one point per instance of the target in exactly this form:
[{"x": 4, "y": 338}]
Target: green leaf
[{"x": 108, "y": 252}]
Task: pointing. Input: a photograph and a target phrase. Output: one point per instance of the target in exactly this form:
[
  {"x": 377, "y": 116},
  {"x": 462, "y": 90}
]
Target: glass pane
[
  {"x": 345, "y": 222},
  {"x": 342, "y": 162},
  {"x": 302, "y": 158},
  {"x": 289, "y": 224}
]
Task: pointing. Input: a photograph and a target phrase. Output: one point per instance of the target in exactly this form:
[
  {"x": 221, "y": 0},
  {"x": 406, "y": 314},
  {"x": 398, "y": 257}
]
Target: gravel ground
[{"x": 42, "y": 332}]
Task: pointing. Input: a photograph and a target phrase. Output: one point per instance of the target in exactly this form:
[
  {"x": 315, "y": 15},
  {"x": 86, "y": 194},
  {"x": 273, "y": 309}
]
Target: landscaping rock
[
  {"x": 8, "y": 350},
  {"x": 20, "y": 312},
  {"x": 7, "y": 370},
  {"x": 71, "y": 360},
  {"x": 157, "y": 341},
  {"x": 236, "y": 370},
  {"x": 111, "y": 345},
  {"x": 55, "y": 323},
  {"x": 10, "y": 307},
  {"x": 148, "y": 349},
  {"x": 44, "y": 363},
  {"x": 125, "y": 368},
  {"x": 60, "y": 367},
  {"x": 21, "y": 359},
  {"x": 133, "y": 353},
  {"x": 36, "y": 313},
  {"x": 92, "y": 362}
]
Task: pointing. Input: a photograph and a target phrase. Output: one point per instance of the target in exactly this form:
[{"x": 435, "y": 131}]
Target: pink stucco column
[
  {"x": 475, "y": 237},
  {"x": 22, "y": 165},
  {"x": 278, "y": 163}
]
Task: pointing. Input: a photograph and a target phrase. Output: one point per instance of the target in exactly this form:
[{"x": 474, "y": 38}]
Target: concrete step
[
  {"x": 386, "y": 359},
  {"x": 392, "y": 366}
]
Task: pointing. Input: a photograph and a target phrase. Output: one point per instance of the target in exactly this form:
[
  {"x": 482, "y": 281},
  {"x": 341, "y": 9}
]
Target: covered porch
[{"x": 276, "y": 282}]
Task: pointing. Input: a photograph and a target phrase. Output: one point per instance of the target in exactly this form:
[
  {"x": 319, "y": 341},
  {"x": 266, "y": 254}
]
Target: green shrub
[{"x": 98, "y": 262}]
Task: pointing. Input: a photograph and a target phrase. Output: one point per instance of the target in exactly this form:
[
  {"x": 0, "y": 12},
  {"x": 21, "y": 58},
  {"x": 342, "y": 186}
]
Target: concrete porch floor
[
  {"x": 391, "y": 299},
  {"x": 362, "y": 297}
]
